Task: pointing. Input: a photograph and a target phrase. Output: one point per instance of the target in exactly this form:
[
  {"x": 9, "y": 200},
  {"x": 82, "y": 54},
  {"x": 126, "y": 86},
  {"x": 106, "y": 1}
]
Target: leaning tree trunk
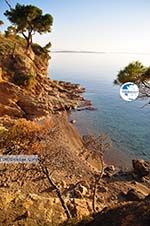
[
  {"x": 29, "y": 42},
  {"x": 58, "y": 192}
]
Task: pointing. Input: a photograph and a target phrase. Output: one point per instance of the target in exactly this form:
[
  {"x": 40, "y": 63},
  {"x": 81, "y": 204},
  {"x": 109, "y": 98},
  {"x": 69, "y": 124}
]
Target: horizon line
[{"x": 98, "y": 52}]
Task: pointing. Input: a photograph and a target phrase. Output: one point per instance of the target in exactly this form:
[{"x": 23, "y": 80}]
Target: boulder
[
  {"x": 31, "y": 107},
  {"x": 11, "y": 111},
  {"x": 147, "y": 197},
  {"x": 80, "y": 191},
  {"x": 141, "y": 167},
  {"x": 133, "y": 195},
  {"x": 129, "y": 214},
  {"x": 109, "y": 171}
]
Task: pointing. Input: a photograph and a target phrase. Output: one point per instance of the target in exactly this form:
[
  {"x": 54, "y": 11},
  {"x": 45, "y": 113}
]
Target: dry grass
[{"x": 25, "y": 136}]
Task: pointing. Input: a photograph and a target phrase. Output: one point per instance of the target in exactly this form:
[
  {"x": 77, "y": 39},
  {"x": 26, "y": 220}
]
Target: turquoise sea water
[{"x": 127, "y": 123}]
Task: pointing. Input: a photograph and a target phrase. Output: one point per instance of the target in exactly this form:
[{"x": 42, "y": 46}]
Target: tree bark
[
  {"x": 58, "y": 192},
  {"x": 28, "y": 39},
  {"x": 97, "y": 179}
]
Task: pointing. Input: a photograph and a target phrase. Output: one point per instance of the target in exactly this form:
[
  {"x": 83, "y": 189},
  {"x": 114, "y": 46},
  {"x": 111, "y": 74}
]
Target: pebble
[{"x": 73, "y": 121}]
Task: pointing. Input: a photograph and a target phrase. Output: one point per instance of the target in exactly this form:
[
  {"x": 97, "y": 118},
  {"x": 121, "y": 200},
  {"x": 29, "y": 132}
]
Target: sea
[{"x": 126, "y": 123}]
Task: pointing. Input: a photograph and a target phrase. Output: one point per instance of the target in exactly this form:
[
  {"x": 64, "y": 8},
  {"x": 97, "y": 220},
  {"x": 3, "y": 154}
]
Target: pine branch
[{"x": 8, "y": 4}]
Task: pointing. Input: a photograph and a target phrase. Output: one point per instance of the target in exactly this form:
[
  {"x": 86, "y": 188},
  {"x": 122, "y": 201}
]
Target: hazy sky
[{"x": 100, "y": 25}]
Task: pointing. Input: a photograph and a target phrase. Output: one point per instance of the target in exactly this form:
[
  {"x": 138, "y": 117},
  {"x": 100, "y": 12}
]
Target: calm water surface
[{"x": 127, "y": 123}]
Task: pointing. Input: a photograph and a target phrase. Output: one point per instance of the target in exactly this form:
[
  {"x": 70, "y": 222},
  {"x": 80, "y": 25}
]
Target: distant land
[
  {"x": 76, "y": 51},
  {"x": 96, "y": 52}
]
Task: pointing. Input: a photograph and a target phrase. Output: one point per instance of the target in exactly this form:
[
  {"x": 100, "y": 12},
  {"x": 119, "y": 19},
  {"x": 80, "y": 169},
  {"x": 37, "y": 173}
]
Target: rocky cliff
[
  {"x": 25, "y": 89},
  {"x": 34, "y": 121}
]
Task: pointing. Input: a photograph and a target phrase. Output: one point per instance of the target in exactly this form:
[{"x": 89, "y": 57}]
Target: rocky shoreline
[
  {"x": 117, "y": 188},
  {"x": 34, "y": 121}
]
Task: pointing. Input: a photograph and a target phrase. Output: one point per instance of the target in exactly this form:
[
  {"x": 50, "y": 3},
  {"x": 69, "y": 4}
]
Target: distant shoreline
[
  {"x": 72, "y": 51},
  {"x": 96, "y": 52}
]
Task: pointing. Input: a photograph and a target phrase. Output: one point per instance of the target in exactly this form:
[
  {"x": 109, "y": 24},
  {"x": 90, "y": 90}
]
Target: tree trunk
[
  {"x": 97, "y": 180},
  {"x": 28, "y": 40},
  {"x": 58, "y": 192}
]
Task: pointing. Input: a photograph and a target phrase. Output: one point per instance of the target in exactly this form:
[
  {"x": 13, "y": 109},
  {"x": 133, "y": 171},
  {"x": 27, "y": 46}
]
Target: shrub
[
  {"x": 41, "y": 51},
  {"x": 22, "y": 78},
  {"x": 132, "y": 72},
  {"x": 37, "y": 49},
  {"x": 2, "y": 130},
  {"x": 27, "y": 135}
]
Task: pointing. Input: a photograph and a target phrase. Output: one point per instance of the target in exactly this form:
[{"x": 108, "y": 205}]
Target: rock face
[
  {"x": 131, "y": 214},
  {"x": 34, "y": 120},
  {"x": 141, "y": 167},
  {"x": 50, "y": 97},
  {"x": 1, "y": 73},
  {"x": 25, "y": 89},
  {"x": 133, "y": 195},
  {"x": 25, "y": 211}
]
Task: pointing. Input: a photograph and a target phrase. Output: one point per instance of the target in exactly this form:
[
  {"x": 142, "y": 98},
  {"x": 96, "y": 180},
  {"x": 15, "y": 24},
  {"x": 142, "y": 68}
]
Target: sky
[{"x": 94, "y": 25}]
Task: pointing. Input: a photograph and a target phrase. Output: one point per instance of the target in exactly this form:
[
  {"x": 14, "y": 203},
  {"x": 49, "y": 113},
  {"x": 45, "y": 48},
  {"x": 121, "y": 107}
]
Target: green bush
[
  {"x": 133, "y": 72},
  {"x": 22, "y": 78},
  {"x": 39, "y": 51}
]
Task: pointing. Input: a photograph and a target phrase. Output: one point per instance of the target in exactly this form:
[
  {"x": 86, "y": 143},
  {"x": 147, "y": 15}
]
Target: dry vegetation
[
  {"x": 63, "y": 159},
  {"x": 70, "y": 180},
  {"x": 24, "y": 137}
]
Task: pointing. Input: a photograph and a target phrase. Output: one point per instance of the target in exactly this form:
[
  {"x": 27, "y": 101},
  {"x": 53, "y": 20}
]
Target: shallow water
[{"x": 127, "y": 123}]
